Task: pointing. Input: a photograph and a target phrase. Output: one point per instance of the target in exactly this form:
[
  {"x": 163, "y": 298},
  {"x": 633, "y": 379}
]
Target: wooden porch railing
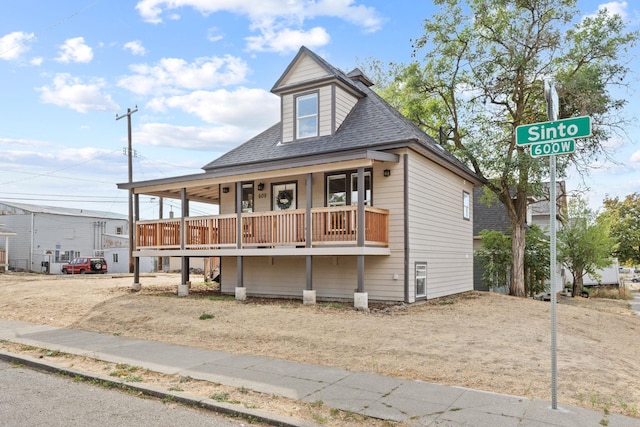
[
  {"x": 329, "y": 226},
  {"x": 3, "y": 256}
]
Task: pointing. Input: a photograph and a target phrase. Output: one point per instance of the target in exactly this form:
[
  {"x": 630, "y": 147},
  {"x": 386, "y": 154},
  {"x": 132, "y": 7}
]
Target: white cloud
[
  {"x": 635, "y": 157},
  {"x": 251, "y": 109},
  {"x": 172, "y": 75},
  {"x": 135, "y": 47},
  {"x": 71, "y": 92},
  {"x": 215, "y": 139},
  {"x": 75, "y": 50},
  {"x": 287, "y": 40},
  {"x": 612, "y": 8},
  {"x": 271, "y": 17},
  {"x": 214, "y": 35},
  {"x": 13, "y": 45}
]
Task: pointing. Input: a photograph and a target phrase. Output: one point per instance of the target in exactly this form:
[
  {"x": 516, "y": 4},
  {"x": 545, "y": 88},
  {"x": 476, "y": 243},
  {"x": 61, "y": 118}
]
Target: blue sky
[{"x": 200, "y": 75}]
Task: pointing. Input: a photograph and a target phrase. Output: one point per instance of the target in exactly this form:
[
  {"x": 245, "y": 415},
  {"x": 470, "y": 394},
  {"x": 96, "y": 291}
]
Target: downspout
[{"x": 406, "y": 226}]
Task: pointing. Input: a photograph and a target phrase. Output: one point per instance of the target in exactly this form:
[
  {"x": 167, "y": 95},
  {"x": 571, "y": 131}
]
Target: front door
[{"x": 284, "y": 196}]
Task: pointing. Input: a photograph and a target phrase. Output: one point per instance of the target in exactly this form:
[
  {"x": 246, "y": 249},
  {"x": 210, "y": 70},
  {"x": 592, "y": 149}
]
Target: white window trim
[
  {"x": 424, "y": 276},
  {"x": 466, "y": 205},
  {"x": 299, "y": 117}
]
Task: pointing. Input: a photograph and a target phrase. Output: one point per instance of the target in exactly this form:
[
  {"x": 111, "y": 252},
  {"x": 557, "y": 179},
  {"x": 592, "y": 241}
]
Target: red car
[{"x": 86, "y": 265}]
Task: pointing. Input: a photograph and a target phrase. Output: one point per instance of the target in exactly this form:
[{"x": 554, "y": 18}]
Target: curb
[{"x": 187, "y": 399}]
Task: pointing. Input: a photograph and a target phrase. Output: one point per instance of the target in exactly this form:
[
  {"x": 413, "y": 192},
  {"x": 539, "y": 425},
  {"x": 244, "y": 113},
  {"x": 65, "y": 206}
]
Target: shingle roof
[{"x": 372, "y": 124}]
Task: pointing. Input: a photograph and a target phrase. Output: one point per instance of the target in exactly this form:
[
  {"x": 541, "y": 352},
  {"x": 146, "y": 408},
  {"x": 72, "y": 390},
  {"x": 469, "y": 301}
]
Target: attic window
[{"x": 307, "y": 116}]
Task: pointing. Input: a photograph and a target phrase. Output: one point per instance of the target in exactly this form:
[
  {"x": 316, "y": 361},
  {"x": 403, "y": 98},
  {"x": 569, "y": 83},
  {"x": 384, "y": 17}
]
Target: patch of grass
[
  {"x": 168, "y": 398},
  {"x": 205, "y": 316},
  {"x": 222, "y": 298},
  {"x": 244, "y": 390},
  {"x": 622, "y": 293},
  {"x": 185, "y": 379},
  {"x": 336, "y": 305},
  {"x": 54, "y": 353},
  {"x": 175, "y": 388},
  {"x": 223, "y": 397}
]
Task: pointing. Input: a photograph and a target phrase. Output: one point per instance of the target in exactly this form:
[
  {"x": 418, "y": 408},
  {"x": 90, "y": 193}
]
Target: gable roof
[
  {"x": 332, "y": 73},
  {"x": 372, "y": 124}
]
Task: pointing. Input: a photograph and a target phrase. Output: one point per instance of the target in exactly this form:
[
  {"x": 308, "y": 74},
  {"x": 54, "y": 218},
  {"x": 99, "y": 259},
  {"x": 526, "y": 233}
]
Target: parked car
[
  {"x": 635, "y": 279},
  {"x": 85, "y": 265}
]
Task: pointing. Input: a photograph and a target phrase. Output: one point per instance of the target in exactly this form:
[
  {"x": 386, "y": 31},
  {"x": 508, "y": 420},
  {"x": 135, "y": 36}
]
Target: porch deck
[{"x": 333, "y": 226}]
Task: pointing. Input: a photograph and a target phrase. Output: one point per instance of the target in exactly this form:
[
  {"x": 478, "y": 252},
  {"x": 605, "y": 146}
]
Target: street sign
[
  {"x": 549, "y": 148},
  {"x": 559, "y": 130}
]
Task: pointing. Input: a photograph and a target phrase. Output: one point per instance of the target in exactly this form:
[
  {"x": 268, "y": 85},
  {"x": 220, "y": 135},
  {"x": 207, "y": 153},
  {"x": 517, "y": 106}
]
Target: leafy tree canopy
[{"x": 624, "y": 219}]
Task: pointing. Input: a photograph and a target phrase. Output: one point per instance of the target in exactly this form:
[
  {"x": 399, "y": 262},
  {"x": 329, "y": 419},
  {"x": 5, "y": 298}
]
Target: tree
[
  {"x": 584, "y": 243},
  {"x": 624, "y": 219},
  {"x": 482, "y": 76},
  {"x": 495, "y": 257}
]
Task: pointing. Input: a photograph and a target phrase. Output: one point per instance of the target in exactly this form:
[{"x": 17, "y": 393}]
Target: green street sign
[
  {"x": 559, "y": 130},
  {"x": 556, "y": 147}
]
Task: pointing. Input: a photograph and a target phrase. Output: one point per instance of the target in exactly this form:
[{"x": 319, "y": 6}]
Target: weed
[
  {"x": 54, "y": 353},
  {"x": 185, "y": 379},
  {"x": 244, "y": 390},
  {"x": 175, "y": 388},
  {"x": 223, "y": 397},
  {"x": 132, "y": 379},
  {"x": 604, "y": 422},
  {"x": 168, "y": 398},
  {"x": 205, "y": 316},
  {"x": 220, "y": 397},
  {"x": 446, "y": 302},
  {"x": 317, "y": 404}
]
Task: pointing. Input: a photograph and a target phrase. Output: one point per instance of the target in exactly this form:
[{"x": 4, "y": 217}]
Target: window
[
  {"x": 307, "y": 116},
  {"x": 115, "y": 258},
  {"x": 342, "y": 189},
  {"x": 466, "y": 208},
  {"x": 421, "y": 279},
  {"x": 247, "y": 197},
  {"x": 119, "y": 230}
]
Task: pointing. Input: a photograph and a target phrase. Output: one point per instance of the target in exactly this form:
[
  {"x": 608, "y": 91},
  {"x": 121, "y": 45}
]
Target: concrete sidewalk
[{"x": 415, "y": 403}]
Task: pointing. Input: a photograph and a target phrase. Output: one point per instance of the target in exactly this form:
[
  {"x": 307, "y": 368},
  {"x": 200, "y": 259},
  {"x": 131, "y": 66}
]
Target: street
[{"x": 30, "y": 397}]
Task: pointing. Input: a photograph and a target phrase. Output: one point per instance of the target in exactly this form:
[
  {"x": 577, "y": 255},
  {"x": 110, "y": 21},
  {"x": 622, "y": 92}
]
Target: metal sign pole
[{"x": 552, "y": 112}]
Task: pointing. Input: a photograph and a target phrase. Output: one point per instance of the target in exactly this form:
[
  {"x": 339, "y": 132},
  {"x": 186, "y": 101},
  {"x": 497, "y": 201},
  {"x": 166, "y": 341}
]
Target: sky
[{"x": 198, "y": 75}]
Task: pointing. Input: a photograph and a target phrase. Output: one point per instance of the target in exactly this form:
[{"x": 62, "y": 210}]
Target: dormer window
[{"x": 307, "y": 116}]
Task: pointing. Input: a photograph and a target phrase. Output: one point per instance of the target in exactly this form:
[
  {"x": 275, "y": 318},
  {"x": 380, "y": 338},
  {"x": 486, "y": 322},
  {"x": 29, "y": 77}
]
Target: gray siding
[{"x": 438, "y": 234}]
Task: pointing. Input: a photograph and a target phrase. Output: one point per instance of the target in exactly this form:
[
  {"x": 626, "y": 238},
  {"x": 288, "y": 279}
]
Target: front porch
[{"x": 324, "y": 231}]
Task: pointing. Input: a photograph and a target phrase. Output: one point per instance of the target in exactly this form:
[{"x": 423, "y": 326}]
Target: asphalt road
[{"x": 32, "y": 398}]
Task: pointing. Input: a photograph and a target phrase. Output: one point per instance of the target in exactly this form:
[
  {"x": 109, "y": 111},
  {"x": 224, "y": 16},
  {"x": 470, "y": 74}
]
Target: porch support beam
[
  {"x": 136, "y": 260},
  {"x": 183, "y": 288}
]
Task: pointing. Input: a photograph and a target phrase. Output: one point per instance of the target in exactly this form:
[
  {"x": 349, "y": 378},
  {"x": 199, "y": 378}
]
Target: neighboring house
[
  {"x": 47, "y": 237},
  {"x": 4, "y": 248},
  {"x": 343, "y": 199},
  {"x": 493, "y": 217}
]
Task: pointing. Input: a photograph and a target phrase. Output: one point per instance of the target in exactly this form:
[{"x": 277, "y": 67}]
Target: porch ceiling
[{"x": 205, "y": 187}]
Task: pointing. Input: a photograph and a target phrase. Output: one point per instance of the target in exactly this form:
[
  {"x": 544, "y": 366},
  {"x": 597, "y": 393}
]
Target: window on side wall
[
  {"x": 466, "y": 205},
  {"x": 421, "y": 279},
  {"x": 307, "y": 116}
]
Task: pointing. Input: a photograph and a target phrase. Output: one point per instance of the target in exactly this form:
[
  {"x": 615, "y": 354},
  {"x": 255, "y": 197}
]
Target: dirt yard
[{"x": 478, "y": 340}]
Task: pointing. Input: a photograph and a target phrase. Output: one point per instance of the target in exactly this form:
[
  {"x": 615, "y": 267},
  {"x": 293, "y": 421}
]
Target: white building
[{"x": 47, "y": 237}]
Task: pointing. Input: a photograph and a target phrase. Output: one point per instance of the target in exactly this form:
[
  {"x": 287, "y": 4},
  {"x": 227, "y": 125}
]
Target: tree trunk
[
  {"x": 516, "y": 286},
  {"x": 577, "y": 284}
]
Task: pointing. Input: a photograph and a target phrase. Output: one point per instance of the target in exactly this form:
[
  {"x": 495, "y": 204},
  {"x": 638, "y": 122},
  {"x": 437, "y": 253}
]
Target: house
[
  {"x": 343, "y": 199},
  {"x": 493, "y": 217},
  {"x": 4, "y": 248},
  {"x": 47, "y": 237}
]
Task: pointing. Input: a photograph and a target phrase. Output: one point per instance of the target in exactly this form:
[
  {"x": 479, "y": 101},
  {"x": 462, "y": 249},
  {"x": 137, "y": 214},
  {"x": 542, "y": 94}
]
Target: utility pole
[{"x": 132, "y": 268}]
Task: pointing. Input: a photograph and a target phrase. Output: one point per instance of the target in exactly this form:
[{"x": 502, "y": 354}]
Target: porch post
[
  {"x": 136, "y": 260},
  {"x": 241, "y": 291},
  {"x": 309, "y": 294},
  {"x": 361, "y": 298},
  {"x": 183, "y": 288}
]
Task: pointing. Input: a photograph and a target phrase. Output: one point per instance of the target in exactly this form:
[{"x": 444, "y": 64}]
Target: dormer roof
[{"x": 323, "y": 74}]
